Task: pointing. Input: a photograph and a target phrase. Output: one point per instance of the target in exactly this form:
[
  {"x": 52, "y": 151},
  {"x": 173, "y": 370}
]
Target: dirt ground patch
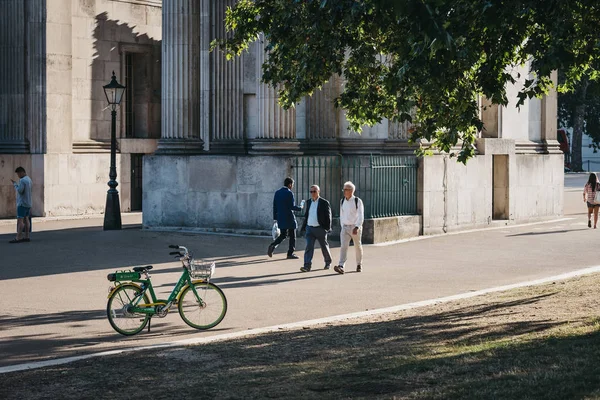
[{"x": 540, "y": 342}]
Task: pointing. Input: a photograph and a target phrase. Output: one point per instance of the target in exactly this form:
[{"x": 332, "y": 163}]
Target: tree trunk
[{"x": 578, "y": 125}]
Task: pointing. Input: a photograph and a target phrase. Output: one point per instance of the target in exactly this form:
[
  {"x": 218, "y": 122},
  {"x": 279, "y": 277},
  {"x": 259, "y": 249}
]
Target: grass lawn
[{"x": 540, "y": 342}]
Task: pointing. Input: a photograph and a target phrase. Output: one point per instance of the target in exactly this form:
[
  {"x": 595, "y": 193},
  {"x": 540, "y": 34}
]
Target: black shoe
[
  {"x": 327, "y": 266},
  {"x": 270, "y": 250},
  {"x": 292, "y": 257},
  {"x": 339, "y": 269},
  {"x": 589, "y": 224},
  {"x": 16, "y": 241},
  {"x": 359, "y": 268},
  {"x": 305, "y": 269}
]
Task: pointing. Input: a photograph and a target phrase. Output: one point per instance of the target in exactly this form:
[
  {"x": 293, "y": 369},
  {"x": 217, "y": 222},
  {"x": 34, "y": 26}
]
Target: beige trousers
[{"x": 345, "y": 236}]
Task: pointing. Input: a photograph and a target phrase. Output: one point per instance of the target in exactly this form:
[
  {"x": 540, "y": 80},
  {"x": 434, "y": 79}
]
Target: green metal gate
[{"x": 386, "y": 184}]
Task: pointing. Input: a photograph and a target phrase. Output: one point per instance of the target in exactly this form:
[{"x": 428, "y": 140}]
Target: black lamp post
[{"x": 112, "y": 212}]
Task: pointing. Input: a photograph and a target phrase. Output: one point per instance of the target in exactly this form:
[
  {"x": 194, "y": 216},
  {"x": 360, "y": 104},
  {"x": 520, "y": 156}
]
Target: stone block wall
[
  {"x": 220, "y": 193},
  {"x": 538, "y": 187},
  {"x": 454, "y": 197}
]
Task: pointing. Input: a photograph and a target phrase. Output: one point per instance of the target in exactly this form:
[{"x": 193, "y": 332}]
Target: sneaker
[
  {"x": 270, "y": 250},
  {"x": 292, "y": 257},
  {"x": 359, "y": 268},
  {"x": 16, "y": 241},
  {"x": 305, "y": 269},
  {"x": 589, "y": 224},
  {"x": 339, "y": 269},
  {"x": 327, "y": 266}
]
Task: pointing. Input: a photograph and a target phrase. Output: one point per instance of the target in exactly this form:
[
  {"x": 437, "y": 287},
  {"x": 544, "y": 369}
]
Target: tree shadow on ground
[
  {"x": 442, "y": 355},
  {"x": 89, "y": 249},
  {"x": 44, "y": 343}
]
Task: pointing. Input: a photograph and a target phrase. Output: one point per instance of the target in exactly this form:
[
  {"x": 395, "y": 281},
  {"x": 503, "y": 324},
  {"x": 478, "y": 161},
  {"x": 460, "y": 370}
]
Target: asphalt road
[{"x": 55, "y": 288}]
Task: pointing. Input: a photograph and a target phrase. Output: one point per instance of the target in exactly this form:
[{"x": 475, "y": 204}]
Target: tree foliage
[
  {"x": 580, "y": 109},
  {"x": 432, "y": 56}
]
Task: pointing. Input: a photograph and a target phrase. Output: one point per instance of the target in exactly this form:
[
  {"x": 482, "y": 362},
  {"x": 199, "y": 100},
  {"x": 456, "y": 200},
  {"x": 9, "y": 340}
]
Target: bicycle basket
[{"x": 201, "y": 269}]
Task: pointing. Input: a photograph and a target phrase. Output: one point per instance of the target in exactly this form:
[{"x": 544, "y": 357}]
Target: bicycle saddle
[{"x": 142, "y": 269}]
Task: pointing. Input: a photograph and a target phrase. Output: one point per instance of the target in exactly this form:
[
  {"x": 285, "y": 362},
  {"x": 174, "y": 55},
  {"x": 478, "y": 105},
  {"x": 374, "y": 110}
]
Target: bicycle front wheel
[
  {"x": 119, "y": 310},
  {"x": 206, "y": 312}
]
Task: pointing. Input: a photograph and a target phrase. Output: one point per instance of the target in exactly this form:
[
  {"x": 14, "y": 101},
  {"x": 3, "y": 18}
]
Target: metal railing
[{"x": 386, "y": 184}]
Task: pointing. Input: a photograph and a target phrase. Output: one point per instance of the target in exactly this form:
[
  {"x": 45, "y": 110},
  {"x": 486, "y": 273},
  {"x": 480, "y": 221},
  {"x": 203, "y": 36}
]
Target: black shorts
[{"x": 590, "y": 205}]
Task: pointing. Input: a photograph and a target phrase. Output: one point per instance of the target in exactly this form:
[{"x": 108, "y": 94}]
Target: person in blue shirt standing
[
  {"x": 23, "y": 188},
  {"x": 284, "y": 206}
]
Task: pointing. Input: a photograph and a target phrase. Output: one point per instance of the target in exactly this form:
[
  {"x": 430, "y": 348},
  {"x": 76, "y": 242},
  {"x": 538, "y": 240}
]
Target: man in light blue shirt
[{"x": 23, "y": 188}]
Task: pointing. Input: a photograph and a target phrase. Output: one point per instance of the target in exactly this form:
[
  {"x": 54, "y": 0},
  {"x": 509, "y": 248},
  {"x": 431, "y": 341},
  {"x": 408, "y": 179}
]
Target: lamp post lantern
[{"x": 112, "y": 212}]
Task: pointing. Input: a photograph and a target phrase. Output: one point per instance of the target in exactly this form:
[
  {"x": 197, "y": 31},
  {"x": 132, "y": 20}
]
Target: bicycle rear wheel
[
  {"x": 208, "y": 312},
  {"x": 121, "y": 319}
]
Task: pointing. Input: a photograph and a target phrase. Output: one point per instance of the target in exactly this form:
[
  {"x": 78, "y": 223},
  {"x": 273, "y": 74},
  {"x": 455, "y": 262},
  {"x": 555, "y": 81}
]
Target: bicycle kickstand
[{"x": 149, "y": 322}]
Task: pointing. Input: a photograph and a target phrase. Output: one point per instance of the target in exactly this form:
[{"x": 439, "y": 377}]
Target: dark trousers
[
  {"x": 285, "y": 233},
  {"x": 314, "y": 234}
]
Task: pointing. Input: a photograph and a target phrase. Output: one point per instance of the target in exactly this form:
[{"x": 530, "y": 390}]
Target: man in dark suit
[
  {"x": 317, "y": 224},
  {"x": 284, "y": 206}
]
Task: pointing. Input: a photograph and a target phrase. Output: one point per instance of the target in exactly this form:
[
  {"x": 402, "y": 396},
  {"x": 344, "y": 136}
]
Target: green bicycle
[{"x": 201, "y": 304}]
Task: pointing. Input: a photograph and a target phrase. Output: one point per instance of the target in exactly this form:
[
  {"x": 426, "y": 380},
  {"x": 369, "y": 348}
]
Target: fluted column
[
  {"x": 181, "y": 76},
  {"x": 12, "y": 79},
  {"x": 36, "y": 75},
  {"x": 226, "y": 88},
  {"x": 322, "y": 117},
  {"x": 273, "y": 121}
]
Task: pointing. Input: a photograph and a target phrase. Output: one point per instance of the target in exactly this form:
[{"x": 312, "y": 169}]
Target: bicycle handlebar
[{"x": 186, "y": 253}]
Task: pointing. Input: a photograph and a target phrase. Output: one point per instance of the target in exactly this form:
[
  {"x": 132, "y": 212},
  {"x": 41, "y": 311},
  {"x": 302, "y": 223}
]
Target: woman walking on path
[{"x": 589, "y": 195}]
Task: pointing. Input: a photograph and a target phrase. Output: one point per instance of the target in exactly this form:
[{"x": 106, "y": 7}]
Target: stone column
[
  {"x": 12, "y": 79},
  {"x": 490, "y": 114},
  {"x": 273, "y": 121},
  {"x": 226, "y": 90},
  {"x": 35, "y": 69},
  {"x": 322, "y": 118},
  {"x": 549, "y": 112},
  {"x": 181, "y": 76},
  {"x": 276, "y": 131}
]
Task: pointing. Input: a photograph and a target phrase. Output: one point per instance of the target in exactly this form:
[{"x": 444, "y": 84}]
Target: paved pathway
[{"x": 54, "y": 288}]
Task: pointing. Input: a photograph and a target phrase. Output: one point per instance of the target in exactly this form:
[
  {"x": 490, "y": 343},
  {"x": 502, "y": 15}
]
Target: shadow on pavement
[
  {"x": 91, "y": 248},
  {"x": 546, "y": 232},
  {"x": 40, "y": 345}
]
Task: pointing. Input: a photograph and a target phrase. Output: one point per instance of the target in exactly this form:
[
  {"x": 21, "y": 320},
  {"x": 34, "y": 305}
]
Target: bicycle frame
[{"x": 146, "y": 286}]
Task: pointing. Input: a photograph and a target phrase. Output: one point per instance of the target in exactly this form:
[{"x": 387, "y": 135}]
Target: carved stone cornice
[
  {"x": 92, "y": 146},
  {"x": 14, "y": 147},
  {"x": 179, "y": 146},
  {"x": 274, "y": 147},
  {"x": 229, "y": 147},
  {"x": 538, "y": 147}
]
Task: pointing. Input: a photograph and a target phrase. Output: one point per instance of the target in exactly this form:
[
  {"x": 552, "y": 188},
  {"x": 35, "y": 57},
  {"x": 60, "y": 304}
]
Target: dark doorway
[
  {"x": 500, "y": 188},
  {"x": 136, "y": 182}
]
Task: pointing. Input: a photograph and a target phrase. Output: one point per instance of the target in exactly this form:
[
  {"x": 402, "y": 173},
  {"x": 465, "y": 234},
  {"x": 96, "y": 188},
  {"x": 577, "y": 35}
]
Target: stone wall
[
  {"x": 219, "y": 193},
  {"x": 454, "y": 197},
  {"x": 538, "y": 186}
]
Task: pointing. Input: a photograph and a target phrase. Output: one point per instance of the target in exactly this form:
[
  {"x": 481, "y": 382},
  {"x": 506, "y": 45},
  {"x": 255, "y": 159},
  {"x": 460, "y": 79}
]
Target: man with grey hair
[
  {"x": 317, "y": 224},
  {"x": 352, "y": 216}
]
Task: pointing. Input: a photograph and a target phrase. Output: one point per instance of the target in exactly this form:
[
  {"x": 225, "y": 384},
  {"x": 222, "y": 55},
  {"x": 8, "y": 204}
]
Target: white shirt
[
  {"x": 313, "y": 220},
  {"x": 350, "y": 214}
]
